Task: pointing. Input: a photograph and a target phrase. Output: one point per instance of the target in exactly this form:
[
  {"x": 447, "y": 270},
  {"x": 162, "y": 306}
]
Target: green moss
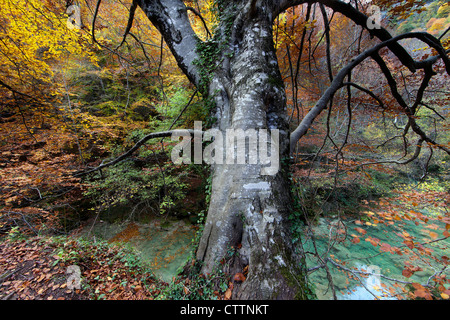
[{"x": 296, "y": 278}]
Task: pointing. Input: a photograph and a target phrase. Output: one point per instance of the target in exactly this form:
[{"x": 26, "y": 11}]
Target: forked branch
[
  {"x": 128, "y": 153},
  {"x": 337, "y": 83}
]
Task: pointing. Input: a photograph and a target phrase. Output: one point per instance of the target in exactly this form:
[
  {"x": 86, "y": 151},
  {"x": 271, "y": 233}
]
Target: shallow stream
[
  {"x": 166, "y": 244},
  {"x": 370, "y": 259}
]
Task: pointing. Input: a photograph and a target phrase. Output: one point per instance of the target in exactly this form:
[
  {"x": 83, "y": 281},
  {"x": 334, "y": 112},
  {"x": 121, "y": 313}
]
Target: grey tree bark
[{"x": 248, "y": 210}]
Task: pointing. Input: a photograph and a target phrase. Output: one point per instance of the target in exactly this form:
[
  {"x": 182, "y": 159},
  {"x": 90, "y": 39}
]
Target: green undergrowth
[{"x": 327, "y": 197}]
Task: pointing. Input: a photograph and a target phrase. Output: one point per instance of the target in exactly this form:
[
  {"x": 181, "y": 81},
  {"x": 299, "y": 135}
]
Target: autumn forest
[{"x": 96, "y": 96}]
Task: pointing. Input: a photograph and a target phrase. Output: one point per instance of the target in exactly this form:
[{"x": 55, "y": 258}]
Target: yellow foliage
[
  {"x": 444, "y": 10},
  {"x": 208, "y": 13},
  {"x": 34, "y": 34},
  {"x": 437, "y": 25}
]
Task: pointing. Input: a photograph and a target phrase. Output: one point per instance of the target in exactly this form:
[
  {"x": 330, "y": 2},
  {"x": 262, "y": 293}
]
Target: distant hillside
[{"x": 435, "y": 20}]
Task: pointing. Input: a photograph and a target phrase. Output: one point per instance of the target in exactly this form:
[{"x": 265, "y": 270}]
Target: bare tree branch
[
  {"x": 201, "y": 18},
  {"x": 357, "y": 17},
  {"x": 97, "y": 7},
  {"x": 129, "y": 23},
  {"x": 127, "y": 154},
  {"x": 370, "y": 93},
  {"x": 409, "y": 111},
  {"x": 336, "y": 84}
]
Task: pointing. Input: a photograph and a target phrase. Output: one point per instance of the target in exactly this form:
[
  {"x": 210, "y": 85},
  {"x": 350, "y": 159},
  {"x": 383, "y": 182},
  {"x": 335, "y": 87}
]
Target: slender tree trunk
[{"x": 248, "y": 213}]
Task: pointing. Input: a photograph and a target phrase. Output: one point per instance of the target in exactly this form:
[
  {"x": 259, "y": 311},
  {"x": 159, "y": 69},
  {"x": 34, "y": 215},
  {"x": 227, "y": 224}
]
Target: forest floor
[{"x": 37, "y": 269}]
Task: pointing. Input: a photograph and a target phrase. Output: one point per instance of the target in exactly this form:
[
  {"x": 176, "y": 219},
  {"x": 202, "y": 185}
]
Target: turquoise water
[
  {"x": 365, "y": 256},
  {"x": 166, "y": 249},
  {"x": 164, "y": 244},
  {"x": 167, "y": 244}
]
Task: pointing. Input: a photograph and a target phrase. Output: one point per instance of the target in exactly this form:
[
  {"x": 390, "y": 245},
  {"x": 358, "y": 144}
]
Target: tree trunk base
[{"x": 247, "y": 228}]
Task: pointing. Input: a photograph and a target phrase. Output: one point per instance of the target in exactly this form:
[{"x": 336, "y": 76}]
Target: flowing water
[
  {"x": 364, "y": 256},
  {"x": 166, "y": 244}
]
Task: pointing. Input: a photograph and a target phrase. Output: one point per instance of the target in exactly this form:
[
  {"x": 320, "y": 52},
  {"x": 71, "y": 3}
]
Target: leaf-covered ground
[{"x": 36, "y": 269}]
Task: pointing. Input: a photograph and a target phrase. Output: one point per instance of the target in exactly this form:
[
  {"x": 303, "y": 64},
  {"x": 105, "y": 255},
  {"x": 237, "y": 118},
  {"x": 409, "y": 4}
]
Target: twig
[
  {"x": 129, "y": 23},
  {"x": 184, "y": 109},
  {"x": 97, "y": 7},
  {"x": 201, "y": 18},
  {"x": 131, "y": 151}
]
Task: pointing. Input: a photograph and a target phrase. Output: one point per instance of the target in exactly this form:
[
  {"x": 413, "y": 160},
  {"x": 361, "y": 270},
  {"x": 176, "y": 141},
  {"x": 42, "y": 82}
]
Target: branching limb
[
  {"x": 94, "y": 19},
  {"x": 127, "y": 154},
  {"x": 357, "y": 17},
  {"x": 416, "y": 154},
  {"x": 370, "y": 93},
  {"x": 171, "y": 19},
  {"x": 129, "y": 23},
  {"x": 409, "y": 111},
  {"x": 432, "y": 109},
  {"x": 201, "y": 18},
  {"x": 336, "y": 84},
  {"x": 327, "y": 39}
]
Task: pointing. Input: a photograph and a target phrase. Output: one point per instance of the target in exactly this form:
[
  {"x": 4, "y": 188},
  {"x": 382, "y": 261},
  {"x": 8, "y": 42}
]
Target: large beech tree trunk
[
  {"x": 248, "y": 213},
  {"x": 248, "y": 210}
]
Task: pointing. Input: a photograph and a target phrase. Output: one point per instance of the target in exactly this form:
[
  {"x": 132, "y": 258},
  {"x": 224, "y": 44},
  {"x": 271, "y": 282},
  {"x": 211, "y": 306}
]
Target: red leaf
[
  {"x": 373, "y": 241},
  {"x": 407, "y": 273},
  {"x": 409, "y": 244},
  {"x": 418, "y": 286},
  {"x": 385, "y": 247},
  {"x": 246, "y": 269},
  {"x": 239, "y": 277},
  {"x": 228, "y": 294},
  {"x": 186, "y": 290}
]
